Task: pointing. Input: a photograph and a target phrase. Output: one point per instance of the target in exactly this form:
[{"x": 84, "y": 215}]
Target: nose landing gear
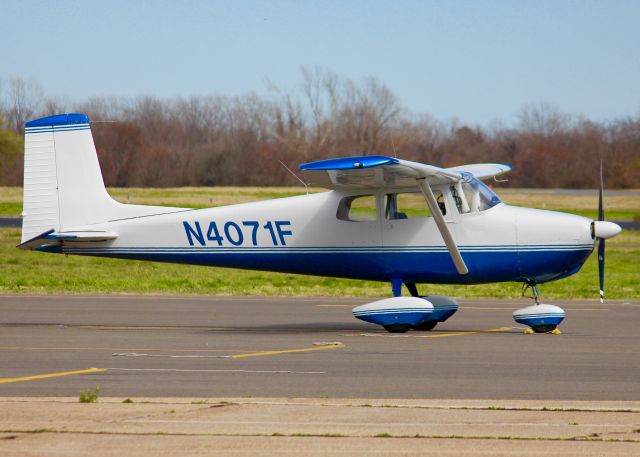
[{"x": 541, "y": 318}]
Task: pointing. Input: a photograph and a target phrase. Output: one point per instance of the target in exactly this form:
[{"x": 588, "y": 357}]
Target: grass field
[
  {"x": 35, "y": 272},
  {"x": 623, "y": 205}
]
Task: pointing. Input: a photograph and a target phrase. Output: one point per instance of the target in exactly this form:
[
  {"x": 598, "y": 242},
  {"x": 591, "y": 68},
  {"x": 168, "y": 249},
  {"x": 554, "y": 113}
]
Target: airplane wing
[
  {"x": 482, "y": 170},
  {"x": 371, "y": 172},
  {"x": 53, "y": 238}
]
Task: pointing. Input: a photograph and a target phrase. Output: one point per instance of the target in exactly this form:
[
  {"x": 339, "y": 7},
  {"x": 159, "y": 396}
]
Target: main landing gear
[
  {"x": 541, "y": 318},
  {"x": 401, "y": 314}
]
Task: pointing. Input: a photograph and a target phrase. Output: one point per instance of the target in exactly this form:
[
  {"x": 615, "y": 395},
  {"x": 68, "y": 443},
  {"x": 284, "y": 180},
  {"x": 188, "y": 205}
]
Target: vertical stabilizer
[
  {"x": 63, "y": 186},
  {"x": 40, "y": 205}
]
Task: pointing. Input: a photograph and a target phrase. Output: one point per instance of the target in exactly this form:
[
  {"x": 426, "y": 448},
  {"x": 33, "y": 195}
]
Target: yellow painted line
[
  {"x": 51, "y": 375},
  {"x": 442, "y": 335},
  {"x": 286, "y": 351},
  {"x": 510, "y": 308}
]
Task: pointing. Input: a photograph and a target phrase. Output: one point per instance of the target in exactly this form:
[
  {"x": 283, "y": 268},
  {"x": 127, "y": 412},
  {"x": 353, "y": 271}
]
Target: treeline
[{"x": 219, "y": 140}]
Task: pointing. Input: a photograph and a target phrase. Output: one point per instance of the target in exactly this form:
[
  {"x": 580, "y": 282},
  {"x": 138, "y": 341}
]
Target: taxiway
[{"x": 192, "y": 346}]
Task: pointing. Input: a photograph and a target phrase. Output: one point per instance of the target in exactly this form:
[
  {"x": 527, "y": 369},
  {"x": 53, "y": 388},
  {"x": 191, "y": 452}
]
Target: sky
[{"x": 475, "y": 61}]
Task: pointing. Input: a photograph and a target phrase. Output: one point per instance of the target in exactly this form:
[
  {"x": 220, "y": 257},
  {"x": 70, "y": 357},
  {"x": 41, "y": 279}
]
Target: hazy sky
[{"x": 474, "y": 60}]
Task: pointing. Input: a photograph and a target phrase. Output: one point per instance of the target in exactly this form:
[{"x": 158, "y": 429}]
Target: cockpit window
[
  {"x": 472, "y": 195},
  {"x": 357, "y": 208}
]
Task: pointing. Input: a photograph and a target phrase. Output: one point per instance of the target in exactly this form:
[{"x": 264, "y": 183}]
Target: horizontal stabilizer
[{"x": 53, "y": 238}]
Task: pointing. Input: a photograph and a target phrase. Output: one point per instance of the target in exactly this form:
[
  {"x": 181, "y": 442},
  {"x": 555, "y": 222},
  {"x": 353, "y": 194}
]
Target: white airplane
[{"x": 465, "y": 235}]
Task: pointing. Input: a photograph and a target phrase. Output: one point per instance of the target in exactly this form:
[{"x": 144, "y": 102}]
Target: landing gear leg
[
  {"x": 396, "y": 287},
  {"x": 534, "y": 288},
  {"x": 413, "y": 290},
  {"x": 536, "y": 295}
]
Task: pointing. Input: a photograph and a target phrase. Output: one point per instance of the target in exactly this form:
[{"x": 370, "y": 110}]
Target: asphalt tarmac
[{"x": 184, "y": 346}]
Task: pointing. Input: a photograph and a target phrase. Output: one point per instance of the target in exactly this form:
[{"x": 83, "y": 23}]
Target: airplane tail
[{"x": 63, "y": 185}]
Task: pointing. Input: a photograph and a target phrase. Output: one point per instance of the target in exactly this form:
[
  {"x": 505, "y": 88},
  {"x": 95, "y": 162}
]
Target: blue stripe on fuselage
[{"x": 431, "y": 267}]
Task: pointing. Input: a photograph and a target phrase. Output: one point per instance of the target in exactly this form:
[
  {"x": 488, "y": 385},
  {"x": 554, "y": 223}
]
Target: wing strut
[{"x": 442, "y": 226}]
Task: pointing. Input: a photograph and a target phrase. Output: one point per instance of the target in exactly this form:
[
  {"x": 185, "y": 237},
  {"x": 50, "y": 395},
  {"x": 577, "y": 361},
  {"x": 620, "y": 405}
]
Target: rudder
[
  {"x": 63, "y": 185},
  {"x": 40, "y": 205}
]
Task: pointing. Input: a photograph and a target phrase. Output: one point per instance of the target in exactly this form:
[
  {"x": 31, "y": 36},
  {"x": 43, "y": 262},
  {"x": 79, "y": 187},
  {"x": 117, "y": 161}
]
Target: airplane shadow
[
  {"x": 311, "y": 327},
  {"x": 332, "y": 327}
]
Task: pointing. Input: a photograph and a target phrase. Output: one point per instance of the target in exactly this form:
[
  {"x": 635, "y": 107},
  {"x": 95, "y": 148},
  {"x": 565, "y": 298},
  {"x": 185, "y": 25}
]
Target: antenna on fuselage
[
  {"x": 306, "y": 187},
  {"x": 393, "y": 145}
]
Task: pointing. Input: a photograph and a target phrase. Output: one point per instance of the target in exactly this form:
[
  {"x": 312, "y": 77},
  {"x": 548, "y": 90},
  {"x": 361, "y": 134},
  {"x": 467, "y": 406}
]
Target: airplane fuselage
[{"x": 306, "y": 235}]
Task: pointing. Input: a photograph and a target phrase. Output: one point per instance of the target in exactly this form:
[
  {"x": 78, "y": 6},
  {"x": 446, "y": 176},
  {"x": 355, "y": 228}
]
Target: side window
[
  {"x": 357, "y": 208},
  {"x": 410, "y": 205}
]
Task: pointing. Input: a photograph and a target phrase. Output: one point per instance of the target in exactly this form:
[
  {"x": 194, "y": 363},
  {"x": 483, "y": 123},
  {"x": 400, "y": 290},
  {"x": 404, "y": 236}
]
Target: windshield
[{"x": 478, "y": 195}]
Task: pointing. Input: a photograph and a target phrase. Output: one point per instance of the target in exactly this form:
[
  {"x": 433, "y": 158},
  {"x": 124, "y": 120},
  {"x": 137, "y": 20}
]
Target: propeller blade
[
  {"x": 601, "y": 267},
  {"x": 601, "y": 243},
  {"x": 600, "y": 208}
]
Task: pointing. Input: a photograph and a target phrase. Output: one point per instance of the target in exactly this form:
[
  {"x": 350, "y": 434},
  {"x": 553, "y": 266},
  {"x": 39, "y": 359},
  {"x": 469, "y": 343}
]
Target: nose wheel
[{"x": 541, "y": 318}]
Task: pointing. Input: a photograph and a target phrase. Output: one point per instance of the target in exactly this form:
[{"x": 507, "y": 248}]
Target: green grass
[
  {"x": 611, "y": 215},
  {"x": 37, "y": 272},
  {"x": 14, "y": 209},
  {"x": 188, "y": 197},
  {"x": 625, "y": 206},
  {"x": 89, "y": 396},
  {"x": 10, "y": 209}
]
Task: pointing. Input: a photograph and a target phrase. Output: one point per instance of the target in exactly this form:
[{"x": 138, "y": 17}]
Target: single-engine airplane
[{"x": 464, "y": 234}]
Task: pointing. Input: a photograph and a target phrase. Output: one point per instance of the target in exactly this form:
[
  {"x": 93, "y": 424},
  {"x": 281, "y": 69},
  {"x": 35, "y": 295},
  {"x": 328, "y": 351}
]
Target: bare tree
[
  {"x": 24, "y": 100},
  {"x": 543, "y": 118},
  {"x": 212, "y": 140}
]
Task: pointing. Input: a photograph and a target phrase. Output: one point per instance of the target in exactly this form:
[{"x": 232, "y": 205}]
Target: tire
[
  {"x": 544, "y": 328},
  {"x": 426, "y": 325},
  {"x": 397, "y": 328}
]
